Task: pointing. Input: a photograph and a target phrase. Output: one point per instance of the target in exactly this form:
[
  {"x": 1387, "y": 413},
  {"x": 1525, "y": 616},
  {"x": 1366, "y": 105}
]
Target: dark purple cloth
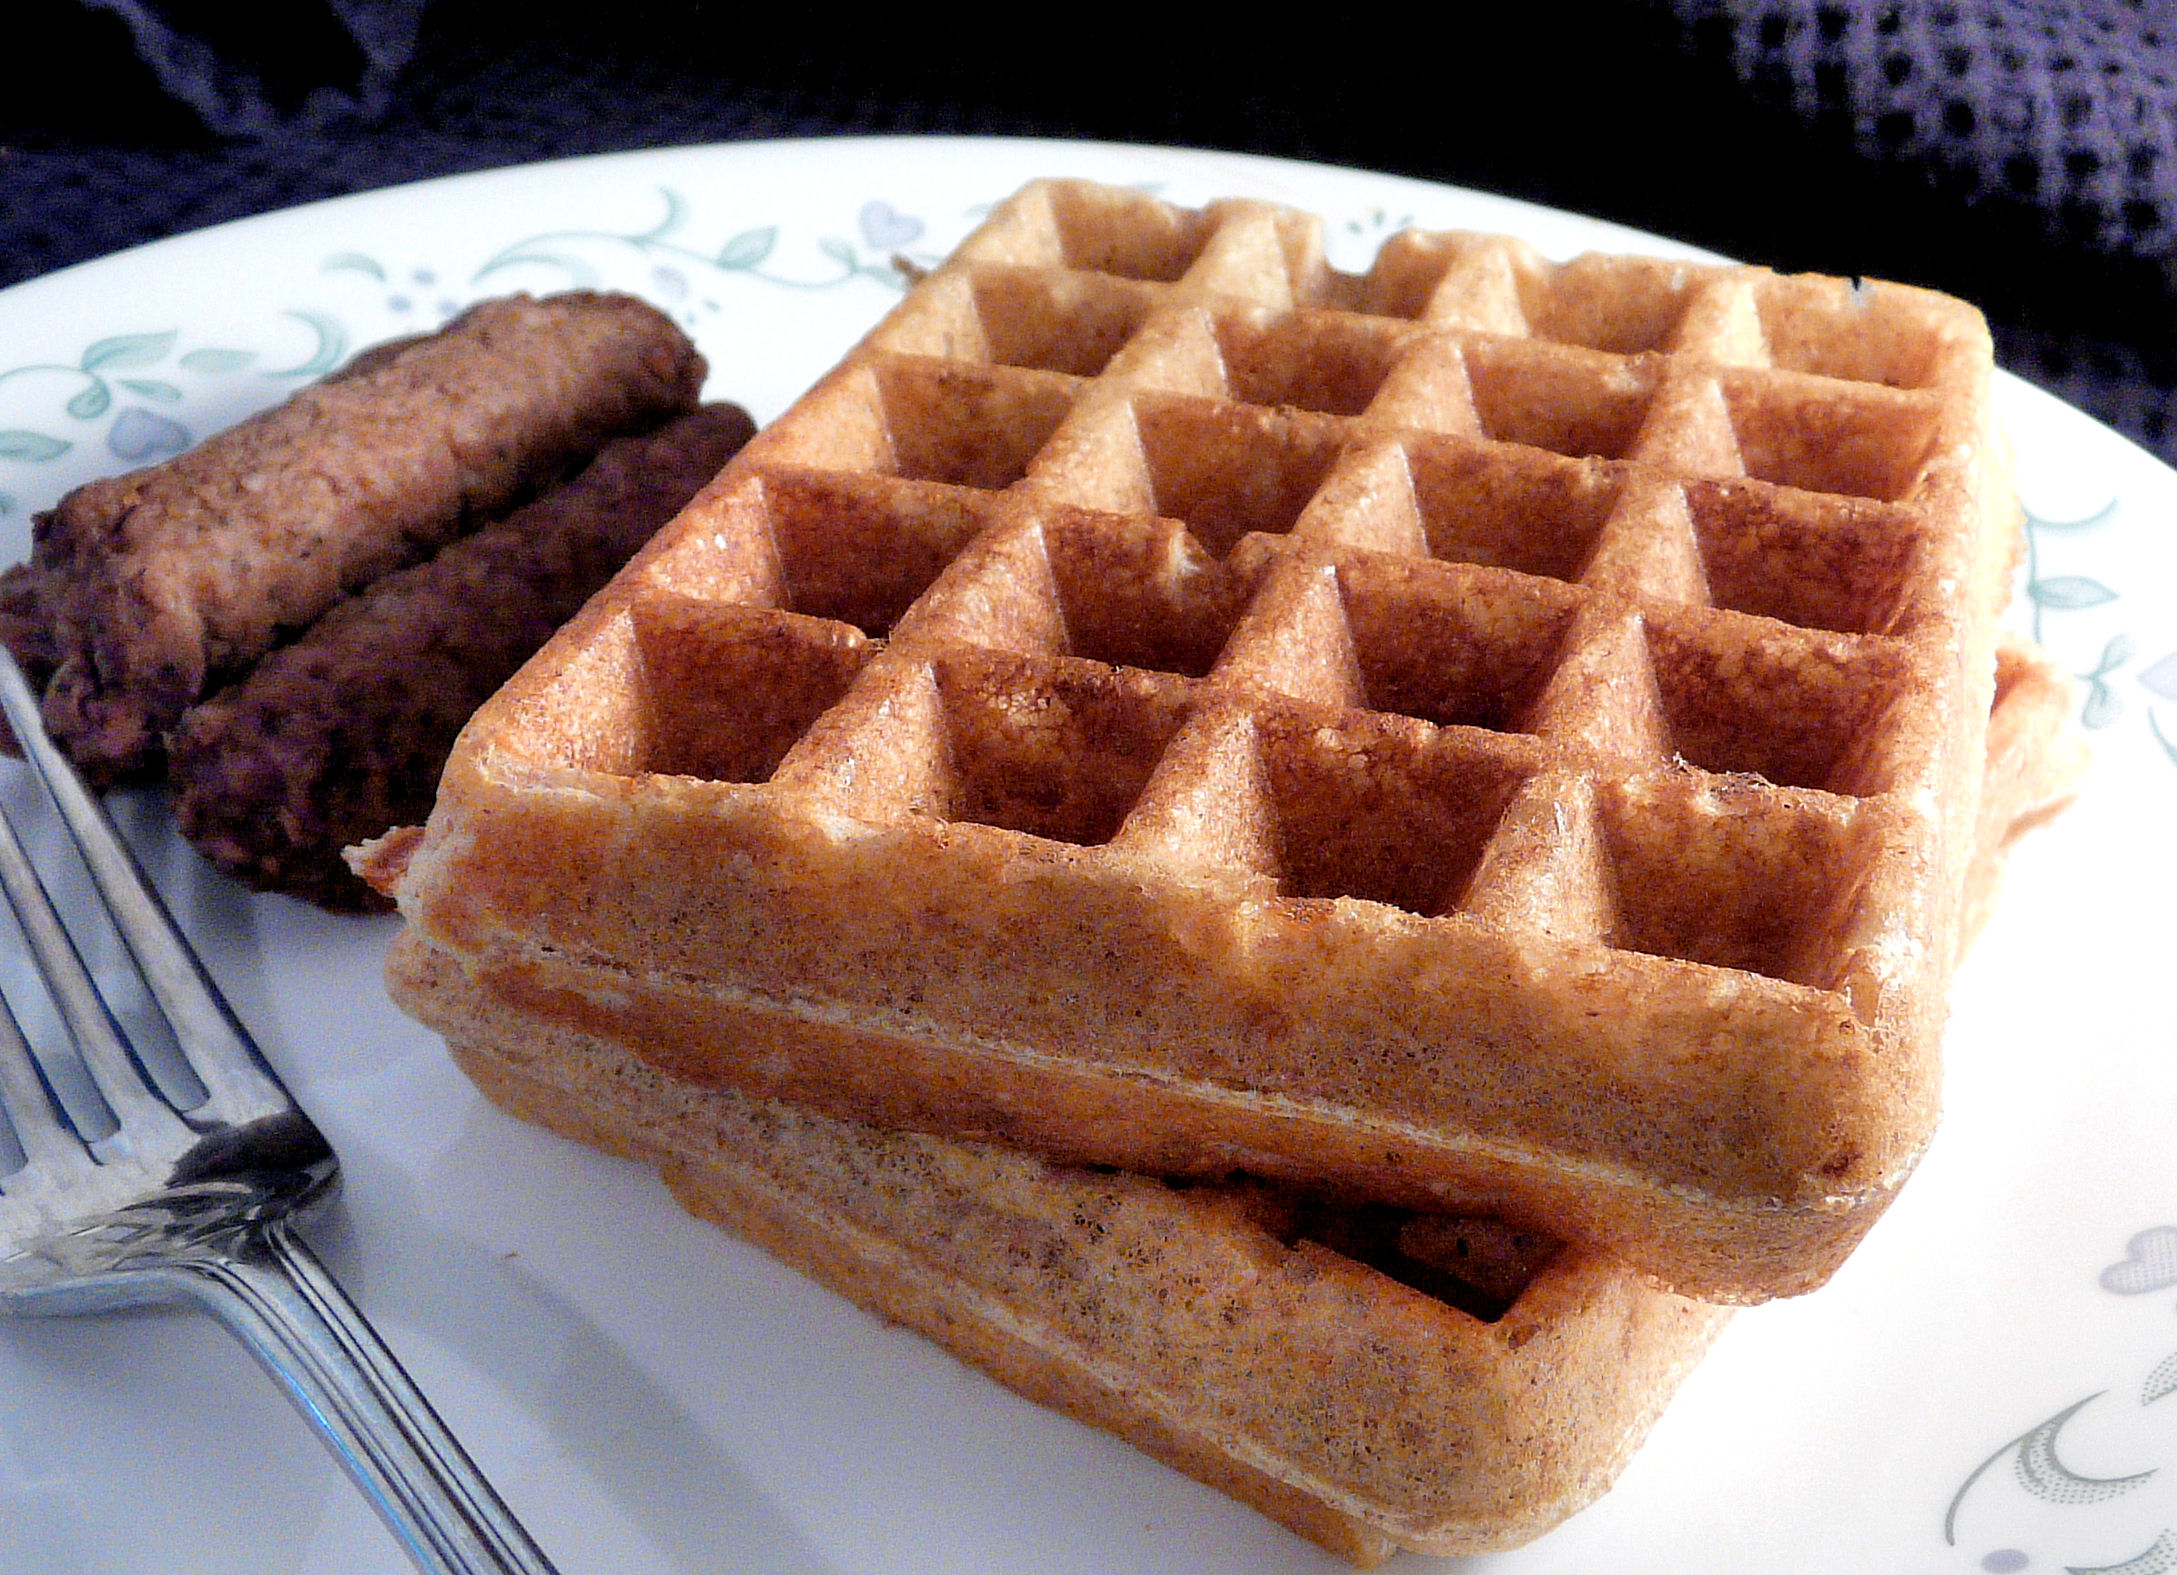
[
  {"x": 2022, "y": 153},
  {"x": 2040, "y": 139},
  {"x": 259, "y": 71}
]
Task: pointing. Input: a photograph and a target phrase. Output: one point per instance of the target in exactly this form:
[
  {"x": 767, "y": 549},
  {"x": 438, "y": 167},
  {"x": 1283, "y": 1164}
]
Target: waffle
[
  {"x": 1476, "y": 734},
  {"x": 1371, "y": 1380}
]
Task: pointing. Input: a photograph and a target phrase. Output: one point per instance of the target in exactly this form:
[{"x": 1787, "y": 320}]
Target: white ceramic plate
[{"x": 1982, "y": 1387}]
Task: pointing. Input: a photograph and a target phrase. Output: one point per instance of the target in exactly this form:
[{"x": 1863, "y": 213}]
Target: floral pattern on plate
[{"x": 2119, "y": 1518}]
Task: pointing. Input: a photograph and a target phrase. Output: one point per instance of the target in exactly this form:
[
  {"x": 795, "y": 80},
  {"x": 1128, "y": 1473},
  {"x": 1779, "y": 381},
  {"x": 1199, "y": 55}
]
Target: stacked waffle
[{"x": 1491, "y": 752}]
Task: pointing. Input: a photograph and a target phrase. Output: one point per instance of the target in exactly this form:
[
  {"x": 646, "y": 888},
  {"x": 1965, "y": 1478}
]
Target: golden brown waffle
[
  {"x": 1370, "y": 1380},
  {"x": 1477, "y": 734}
]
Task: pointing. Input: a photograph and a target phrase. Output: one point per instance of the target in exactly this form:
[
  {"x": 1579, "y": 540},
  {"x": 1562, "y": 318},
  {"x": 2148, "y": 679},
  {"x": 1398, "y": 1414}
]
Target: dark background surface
[{"x": 2022, "y": 153}]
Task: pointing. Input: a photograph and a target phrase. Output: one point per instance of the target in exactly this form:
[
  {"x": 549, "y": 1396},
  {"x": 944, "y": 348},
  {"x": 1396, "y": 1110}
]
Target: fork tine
[
  {"x": 236, "y": 1077},
  {"x": 33, "y": 1110},
  {"x": 97, "y": 1037}
]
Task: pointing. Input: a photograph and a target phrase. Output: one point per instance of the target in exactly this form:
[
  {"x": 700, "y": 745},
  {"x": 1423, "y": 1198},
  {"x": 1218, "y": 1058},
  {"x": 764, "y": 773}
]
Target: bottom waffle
[
  {"x": 1371, "y": 1379},
  {"x": 1359, "y": 1411}
]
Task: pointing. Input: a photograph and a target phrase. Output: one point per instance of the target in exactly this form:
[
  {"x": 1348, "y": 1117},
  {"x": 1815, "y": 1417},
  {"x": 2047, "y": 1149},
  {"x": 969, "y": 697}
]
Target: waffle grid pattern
[
  {"x": 1626, "y": 606},
  {"x": 1139, "y": 512}
]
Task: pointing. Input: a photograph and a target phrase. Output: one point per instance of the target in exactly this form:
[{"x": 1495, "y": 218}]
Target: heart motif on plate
[
  {"x": 2150, "y": 1263},
  {"x": 884, "y": 225},
  {"x": 139, "y": 436}
]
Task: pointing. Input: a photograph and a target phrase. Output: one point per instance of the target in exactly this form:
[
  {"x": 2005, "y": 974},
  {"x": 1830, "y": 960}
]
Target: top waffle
[{"x": 1480, "y": 733}]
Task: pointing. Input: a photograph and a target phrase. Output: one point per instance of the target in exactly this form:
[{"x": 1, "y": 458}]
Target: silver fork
[{"x": 136, "y": 1186}]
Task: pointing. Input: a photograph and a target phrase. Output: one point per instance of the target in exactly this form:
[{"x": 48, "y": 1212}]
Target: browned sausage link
[
  {"x": 24, "y": 630},
  {"x": 24, "y": 626},
  {"x": 166, "y": 582},
  {"x": 341, "y": 735}
]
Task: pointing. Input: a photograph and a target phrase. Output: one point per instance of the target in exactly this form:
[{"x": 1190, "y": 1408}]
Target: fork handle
[{"x": 269, "y": 1289}]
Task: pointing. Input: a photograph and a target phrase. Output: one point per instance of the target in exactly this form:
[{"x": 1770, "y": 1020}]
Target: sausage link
[
  {"x": 341, "y": 735},
  {"x": 159, "y": 585}
]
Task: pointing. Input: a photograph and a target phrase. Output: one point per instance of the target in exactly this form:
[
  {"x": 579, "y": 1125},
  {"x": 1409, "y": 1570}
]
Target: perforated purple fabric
[
  {"x": 2055, "y": 119},
  {"x": 2069, "y": 106},
  {"x": 247, "y": 71},
  {"x": 2022, "y": 153}
]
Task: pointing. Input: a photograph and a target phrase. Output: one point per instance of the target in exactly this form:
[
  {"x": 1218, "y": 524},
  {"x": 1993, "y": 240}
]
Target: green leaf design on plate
[
  {"x": 676, "y": 213},
  {"x": 91, "y": 402},
  {"x": 2169, "y": 745},
  {"x": 2104, "y": 707},
  {"x": 839, "y": 251},
  {"x": 18, "y": 443},
  {"x": 2070, "y": 592},
  {"x": 353, "y": 262},
  {"x": 332, "y": 346},
  {"x": 2157, "y": 1560},
  {"x": 151, "y": 388},
  {"x": 748, "y": 248},
  {"x": 213, "y": 362},
  {"x": 581, "y": 273},
  {"x": 124, "y": 352},
  {"x": 2039, "y": 1472},
  {"x": 2049, "y": 1479},
  {"x": 2100, "y": 516}
]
